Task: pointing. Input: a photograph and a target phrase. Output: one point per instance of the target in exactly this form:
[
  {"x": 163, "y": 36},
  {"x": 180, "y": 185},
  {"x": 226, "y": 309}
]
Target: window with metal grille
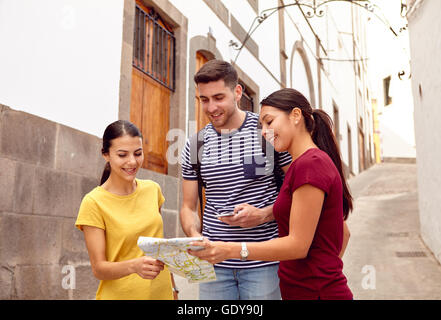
[{"x": 154, "y": 48}]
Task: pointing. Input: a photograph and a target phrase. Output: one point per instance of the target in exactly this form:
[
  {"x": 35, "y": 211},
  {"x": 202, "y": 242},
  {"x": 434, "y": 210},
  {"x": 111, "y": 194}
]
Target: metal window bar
[
  {"x": 142, "y": 38},
  {"x": 164, "y": 57},
  {"x": 154, "y": 49},
  {"x": 165, "y": 62},
  {"x": 149, "y": 45}
]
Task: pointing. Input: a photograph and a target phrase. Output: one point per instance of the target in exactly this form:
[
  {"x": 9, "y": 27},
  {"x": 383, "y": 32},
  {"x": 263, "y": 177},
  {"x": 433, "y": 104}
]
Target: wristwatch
[{"x": 244, "y": 252}]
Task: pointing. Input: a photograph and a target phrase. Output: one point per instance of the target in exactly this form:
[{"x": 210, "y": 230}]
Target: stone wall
[{"x": 45, "y": 170}]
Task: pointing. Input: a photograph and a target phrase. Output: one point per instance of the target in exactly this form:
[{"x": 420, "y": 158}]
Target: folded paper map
[{"x": 173, "y": 253}]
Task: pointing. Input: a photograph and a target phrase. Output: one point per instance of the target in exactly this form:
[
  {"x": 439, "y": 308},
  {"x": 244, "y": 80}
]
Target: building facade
[
  {"x": 424, "y": 27},
  {"x": 70, "y": 68}
]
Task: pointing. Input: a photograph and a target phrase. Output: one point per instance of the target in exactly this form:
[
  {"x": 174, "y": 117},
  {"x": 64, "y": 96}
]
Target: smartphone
[{"x": 228, "y": 214}]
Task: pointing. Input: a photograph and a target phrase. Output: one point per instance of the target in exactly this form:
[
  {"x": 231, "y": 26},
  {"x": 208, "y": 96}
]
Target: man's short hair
[{"x": 215, "y": 70}]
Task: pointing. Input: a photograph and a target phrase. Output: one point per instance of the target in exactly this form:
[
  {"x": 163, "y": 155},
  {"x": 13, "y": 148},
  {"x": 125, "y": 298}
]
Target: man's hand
[{"x": 248, "y": 216}]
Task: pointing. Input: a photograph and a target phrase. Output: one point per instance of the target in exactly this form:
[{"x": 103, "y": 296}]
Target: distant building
[{"x": 389, "y": 76}]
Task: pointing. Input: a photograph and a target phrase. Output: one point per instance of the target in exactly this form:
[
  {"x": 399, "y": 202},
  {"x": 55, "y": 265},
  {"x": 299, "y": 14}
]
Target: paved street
[
  {"x": 385, "y": 237},
  {"x": 385, "y": 258}
]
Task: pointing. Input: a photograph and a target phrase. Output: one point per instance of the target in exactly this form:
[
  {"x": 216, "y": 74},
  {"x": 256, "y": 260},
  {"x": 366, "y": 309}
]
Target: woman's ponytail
[
  {"x": 106, "y": 173},
  {"x": 324, "y": 138}
]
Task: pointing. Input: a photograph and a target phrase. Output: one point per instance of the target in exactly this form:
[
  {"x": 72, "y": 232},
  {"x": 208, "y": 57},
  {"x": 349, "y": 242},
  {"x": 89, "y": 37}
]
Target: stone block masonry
[{"x": 45, "y": 170}]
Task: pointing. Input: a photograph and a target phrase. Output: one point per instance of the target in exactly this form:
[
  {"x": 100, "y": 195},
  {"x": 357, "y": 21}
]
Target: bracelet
[{"x": 175, "y": 289}]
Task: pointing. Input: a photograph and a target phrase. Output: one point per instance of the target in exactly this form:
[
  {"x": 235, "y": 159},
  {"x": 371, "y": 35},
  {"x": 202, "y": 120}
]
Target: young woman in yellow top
[{"x": 113, "y": 216}]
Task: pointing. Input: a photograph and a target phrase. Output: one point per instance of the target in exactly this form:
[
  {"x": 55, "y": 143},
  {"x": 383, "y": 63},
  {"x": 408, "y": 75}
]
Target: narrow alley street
[{"x": 386, "y": 257}]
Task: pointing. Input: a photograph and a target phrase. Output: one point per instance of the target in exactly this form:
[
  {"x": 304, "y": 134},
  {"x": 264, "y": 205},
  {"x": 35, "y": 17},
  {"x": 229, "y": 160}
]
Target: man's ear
[{"x": 238, "y": 92}]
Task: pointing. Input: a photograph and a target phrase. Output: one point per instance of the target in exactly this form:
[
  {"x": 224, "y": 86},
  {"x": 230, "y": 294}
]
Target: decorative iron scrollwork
[
  {"x": 316, "y": 9},
  {"x": 402, "y": 73}
]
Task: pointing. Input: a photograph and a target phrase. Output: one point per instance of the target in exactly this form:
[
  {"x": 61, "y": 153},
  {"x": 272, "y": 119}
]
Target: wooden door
[
  {"x": 152, "y": 83},
  {"x": 149, "y": 111},
  {"x": 361, "y": 156},
  {"x": 200, "y": 117}
]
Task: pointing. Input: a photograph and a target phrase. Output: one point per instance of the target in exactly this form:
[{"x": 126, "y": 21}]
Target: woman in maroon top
[{"x": 311, "y": 207}]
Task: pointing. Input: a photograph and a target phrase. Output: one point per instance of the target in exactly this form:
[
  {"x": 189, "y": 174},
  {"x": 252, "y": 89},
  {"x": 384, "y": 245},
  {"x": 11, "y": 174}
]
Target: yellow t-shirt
[{"x": 124, "y": 219}]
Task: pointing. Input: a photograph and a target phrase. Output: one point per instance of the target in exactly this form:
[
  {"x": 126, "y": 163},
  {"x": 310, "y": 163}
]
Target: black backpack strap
[{"x": 196, "y": 151}]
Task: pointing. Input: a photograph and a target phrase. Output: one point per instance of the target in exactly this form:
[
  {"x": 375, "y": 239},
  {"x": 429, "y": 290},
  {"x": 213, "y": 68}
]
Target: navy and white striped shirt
[{"x": 235, "y": 171}]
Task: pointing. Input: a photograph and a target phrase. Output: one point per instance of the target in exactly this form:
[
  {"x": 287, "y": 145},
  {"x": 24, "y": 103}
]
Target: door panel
[
  {"x": 200, "y": 117},
  {"x": 149, "y": 110}
]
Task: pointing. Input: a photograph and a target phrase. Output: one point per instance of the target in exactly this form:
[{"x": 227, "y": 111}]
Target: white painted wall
[
  {"x": 267, "y": 37},
  {"x": 201, "y": 19},
  {"x": 300, "y": 79},
  {"x": 61, "y": 60},
  {"x": 425, "y": 47},
  {"x": 296, "y": 29},
  {"x": 339, "y": 84}
]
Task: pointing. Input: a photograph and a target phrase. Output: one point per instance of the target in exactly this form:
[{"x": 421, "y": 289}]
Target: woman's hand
[
  {"x": 147, "y": 267},
  {"x": 214, "y": 252}
]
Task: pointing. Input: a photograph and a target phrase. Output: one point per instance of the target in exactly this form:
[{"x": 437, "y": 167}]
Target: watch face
[{"x": 244, "y": 252}]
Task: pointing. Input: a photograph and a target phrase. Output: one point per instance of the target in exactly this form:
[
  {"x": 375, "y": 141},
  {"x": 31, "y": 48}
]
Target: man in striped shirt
[{"x": 239, "y": 179}]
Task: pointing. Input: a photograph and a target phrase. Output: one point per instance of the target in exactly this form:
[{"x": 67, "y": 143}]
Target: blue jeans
[{"x": 261, "y": 283}]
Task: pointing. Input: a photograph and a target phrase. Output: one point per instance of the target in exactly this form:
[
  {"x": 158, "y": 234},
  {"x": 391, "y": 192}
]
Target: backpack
[{"x": 195, "y": 160}]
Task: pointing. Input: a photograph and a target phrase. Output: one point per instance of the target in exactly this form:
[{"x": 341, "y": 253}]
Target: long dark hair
[
  {"x": 115, "y": 130},
  {"x": 319, "y": 124}
]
